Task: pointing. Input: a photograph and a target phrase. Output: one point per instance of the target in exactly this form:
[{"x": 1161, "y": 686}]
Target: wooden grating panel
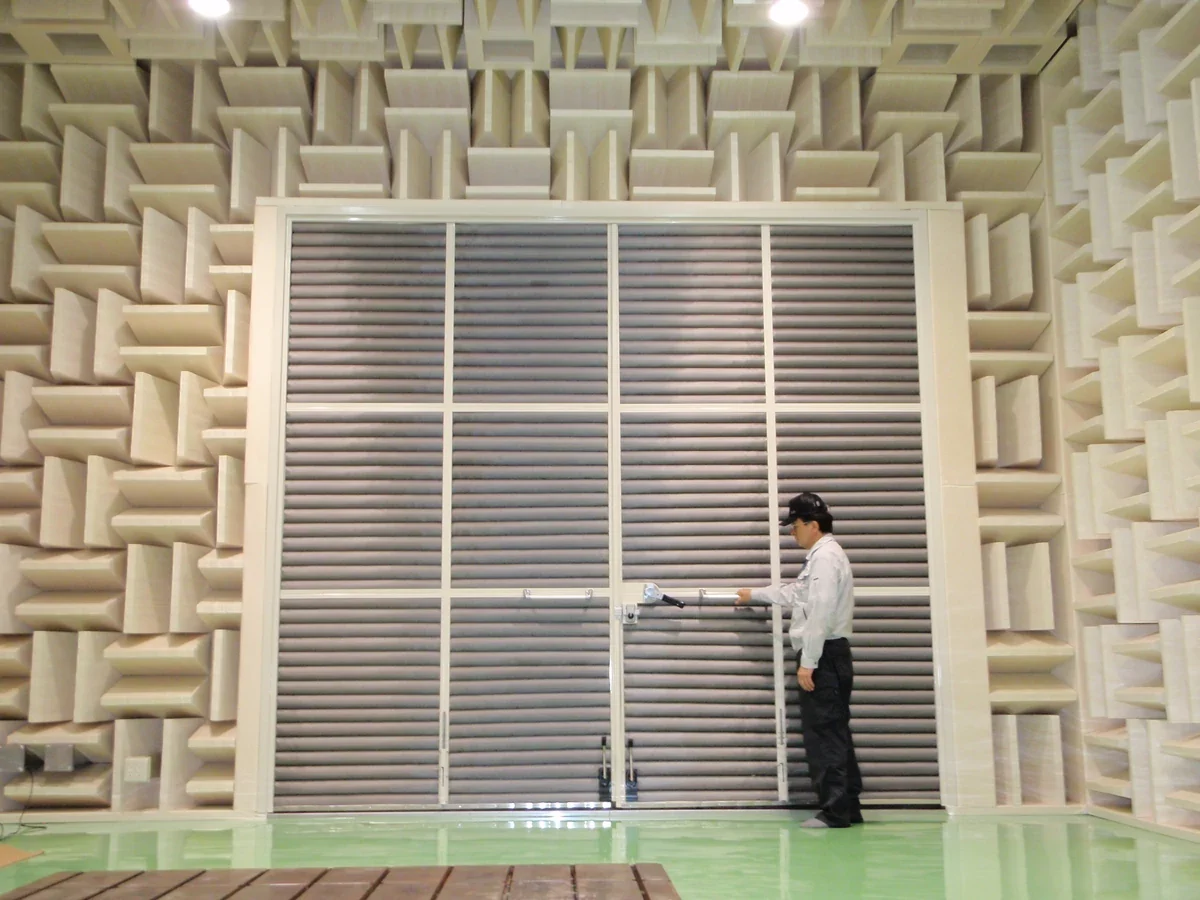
[{"x": 646, "y": 881}]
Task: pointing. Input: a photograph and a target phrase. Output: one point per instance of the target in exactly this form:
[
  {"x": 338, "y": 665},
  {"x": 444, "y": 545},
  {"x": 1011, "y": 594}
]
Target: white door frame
[{"x": 966, "y": 766}]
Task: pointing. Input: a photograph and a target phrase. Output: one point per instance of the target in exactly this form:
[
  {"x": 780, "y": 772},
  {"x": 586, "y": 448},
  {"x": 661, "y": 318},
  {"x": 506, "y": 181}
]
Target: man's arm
[
  {"x": 822, "y": 603},
  {"x": 786, "y": 595}
]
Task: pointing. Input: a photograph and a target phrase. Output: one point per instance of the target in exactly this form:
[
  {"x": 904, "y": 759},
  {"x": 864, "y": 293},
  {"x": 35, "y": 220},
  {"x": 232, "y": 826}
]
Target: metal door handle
[{"x": 586, "y": 595}]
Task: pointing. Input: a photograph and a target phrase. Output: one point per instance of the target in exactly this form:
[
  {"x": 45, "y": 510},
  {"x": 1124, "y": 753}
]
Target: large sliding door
[
  {"x": 495, "y": 434},
  {"x": 696, "y": 507},
  {"x": 529, "y": 698},
  {"x": 848, "y": 426},
  {"x": 357, "y": 721}
]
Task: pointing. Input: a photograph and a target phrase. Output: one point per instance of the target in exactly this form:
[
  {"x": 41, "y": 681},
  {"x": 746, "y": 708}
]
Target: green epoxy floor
[{"x": 755, "y": 857}]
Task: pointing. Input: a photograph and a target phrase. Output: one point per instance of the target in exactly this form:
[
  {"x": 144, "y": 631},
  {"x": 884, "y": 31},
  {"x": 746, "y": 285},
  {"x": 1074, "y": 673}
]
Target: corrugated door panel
[
  {"x": 529, "y": 698},
  {"x": 844, "y": 308},
  {"x": 530, "y": 313},
  {"x": 362, "y": 500},
  {"x": 530, "y": 499},
  {"x": 367, "y": 313},
  {"x": 700, "y": 703},
  {"x": 691, "y": 314},
  {"x": 694, "y": 499},
  {"x": 892, "y": 711},
  {"x": 869, "y": 469},
  {"x": 358, "y": 702}
]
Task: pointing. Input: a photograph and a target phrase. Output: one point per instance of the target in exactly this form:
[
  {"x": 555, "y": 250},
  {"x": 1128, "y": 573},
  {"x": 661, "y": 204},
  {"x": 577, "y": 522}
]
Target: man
[{"x": 822, "y": 605}]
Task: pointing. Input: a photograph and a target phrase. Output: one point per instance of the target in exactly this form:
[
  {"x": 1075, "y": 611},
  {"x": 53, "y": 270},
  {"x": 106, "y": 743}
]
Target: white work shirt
[{"x": 821, "y": 600}]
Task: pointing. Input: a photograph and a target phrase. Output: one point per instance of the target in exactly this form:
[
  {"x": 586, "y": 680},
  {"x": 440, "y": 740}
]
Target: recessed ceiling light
[
  {"x": 789, "y": 13},
  {"x": 211, "y": 9}
]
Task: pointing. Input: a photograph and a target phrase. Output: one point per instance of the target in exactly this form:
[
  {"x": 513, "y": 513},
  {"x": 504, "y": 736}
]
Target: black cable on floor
[{"x": 22, "y": 828}]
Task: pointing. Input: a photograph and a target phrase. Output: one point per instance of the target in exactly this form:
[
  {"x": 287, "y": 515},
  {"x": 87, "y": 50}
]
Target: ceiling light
[
  {"x": 214, "y": 9},
  {"x": 788, "y": 13}
]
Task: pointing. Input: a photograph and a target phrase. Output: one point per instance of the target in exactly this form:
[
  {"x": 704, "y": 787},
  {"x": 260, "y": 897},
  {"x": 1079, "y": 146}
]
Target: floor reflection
[{"x": 743, "y": 857}]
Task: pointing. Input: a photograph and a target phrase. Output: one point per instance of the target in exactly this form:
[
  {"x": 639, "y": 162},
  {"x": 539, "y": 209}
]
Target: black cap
[{"x": 805, "y": 507}]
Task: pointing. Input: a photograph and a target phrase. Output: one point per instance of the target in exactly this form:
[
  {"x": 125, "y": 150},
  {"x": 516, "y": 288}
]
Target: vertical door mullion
[
  {"x": 616, "y": 595},
  {"x": 777, "y": 649},
  {"x": 447, "y": 525}
]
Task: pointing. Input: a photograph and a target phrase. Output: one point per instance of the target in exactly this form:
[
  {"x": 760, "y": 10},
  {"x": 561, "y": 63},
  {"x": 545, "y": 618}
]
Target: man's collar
[{"x": 821, "y": 542}]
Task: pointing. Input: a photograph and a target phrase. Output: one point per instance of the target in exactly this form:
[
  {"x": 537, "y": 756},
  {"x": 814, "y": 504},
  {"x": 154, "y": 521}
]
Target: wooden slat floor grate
[{"x": 586, "y": 882}]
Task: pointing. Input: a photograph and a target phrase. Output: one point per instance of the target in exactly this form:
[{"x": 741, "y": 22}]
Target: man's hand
[
  {"x": 743, "y": 597},
  {"x": 805, "y": 677}
]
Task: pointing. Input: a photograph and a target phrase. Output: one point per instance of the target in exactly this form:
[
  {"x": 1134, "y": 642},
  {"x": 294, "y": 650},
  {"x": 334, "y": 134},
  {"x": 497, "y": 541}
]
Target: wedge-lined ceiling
[{"x": 1001, "y": 36}]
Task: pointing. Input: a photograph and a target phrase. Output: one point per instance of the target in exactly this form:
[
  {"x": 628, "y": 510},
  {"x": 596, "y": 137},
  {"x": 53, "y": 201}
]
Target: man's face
[{"x": 806, "y": 533}]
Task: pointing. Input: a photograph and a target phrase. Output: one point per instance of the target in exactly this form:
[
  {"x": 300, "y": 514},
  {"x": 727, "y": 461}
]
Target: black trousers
[{"x": 828, "y": 744}]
